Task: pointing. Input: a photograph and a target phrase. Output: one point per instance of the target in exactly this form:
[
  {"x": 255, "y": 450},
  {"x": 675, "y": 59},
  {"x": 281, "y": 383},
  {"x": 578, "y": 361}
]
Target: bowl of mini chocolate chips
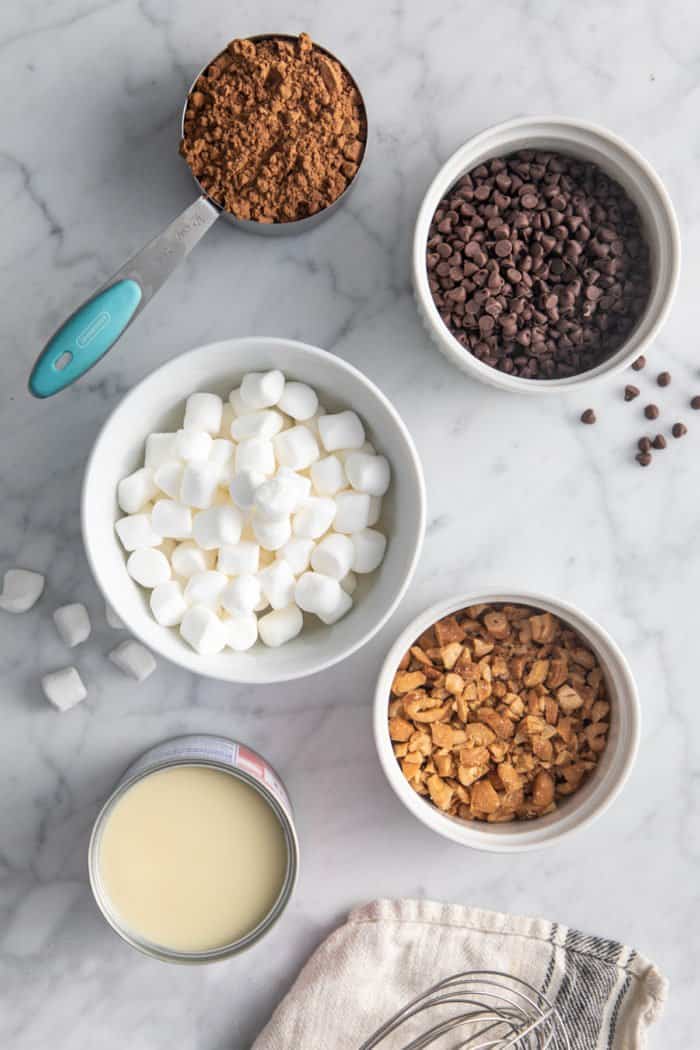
[{"x": 546, "y": 255}]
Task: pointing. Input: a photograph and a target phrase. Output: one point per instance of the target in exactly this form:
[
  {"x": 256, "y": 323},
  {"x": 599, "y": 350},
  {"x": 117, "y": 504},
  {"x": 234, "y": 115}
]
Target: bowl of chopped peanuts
[{"x": 506, "y": 721}]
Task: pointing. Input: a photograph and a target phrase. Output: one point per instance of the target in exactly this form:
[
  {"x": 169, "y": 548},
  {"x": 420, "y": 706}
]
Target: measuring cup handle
[{"x": 95, "y": 327}]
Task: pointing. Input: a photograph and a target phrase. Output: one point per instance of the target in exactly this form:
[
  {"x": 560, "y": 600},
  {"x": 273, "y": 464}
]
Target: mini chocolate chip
[
  {"x": 588, "y": 416},
  {"x": 644, "y": 444},
  {"x": 659, "y": 441},
  {"x": 639, "y": 363},
  {"x": 631, "y": 392},
  {"x": 695, "y": 403},
  {"x": 643, "y": 458},
  {"x": 651, "y": 411},
  {"x": 663, "y": 378},
  {"x": 679, "y": 429}
]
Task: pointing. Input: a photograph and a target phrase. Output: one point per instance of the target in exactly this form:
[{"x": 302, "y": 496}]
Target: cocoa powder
[{"x": 274, "y": 129}]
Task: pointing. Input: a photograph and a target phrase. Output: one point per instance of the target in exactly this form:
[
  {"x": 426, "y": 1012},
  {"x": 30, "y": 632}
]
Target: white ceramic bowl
[
  {"x": 157, "y": 404},
  {"x": 618, "y": 160},
  {"x": 572, "y": 814}
]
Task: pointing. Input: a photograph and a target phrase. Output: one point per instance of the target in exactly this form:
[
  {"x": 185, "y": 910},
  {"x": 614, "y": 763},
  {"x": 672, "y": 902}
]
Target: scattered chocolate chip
[
  {"x": 659, "y": 441},
  {"x": 639, "y": 364},
  {"x": 588, "y": 416},
  {"x": 679, "y": 429},
  {"x": 631, "y": 392},
  {"x": 695, "y": 403},
  {"x": 644, "y": 444},
  {"x": 651, "y": 411},
  {"x": 643, "y": 458},
  {"x": 663, "y": 378}
]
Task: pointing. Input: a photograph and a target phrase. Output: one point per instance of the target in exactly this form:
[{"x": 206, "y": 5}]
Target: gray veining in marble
[{"x": 518, "y": 491}]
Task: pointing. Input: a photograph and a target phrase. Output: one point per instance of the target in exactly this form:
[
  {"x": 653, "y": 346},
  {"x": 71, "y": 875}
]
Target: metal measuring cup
[{"x": 101, "y": 320}]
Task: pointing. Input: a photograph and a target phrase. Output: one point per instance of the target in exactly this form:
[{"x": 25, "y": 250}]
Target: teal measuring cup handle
[{"x": 95, "y": 327}]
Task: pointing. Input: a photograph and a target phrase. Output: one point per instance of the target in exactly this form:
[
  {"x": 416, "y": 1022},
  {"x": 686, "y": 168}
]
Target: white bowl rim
[
  {"x": 445, "y": 177},
  {"x": 313, "y": 351},
  {"x": 525, "y": 835}
]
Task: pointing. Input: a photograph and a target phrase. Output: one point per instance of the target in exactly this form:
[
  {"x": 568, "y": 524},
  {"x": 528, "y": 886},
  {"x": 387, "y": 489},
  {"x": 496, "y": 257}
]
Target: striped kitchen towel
[{"x": 389, "y": 952}]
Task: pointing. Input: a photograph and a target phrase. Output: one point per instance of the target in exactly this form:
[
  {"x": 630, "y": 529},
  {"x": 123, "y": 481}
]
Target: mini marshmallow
[
  {"x": 244, "y": 486},
  {"x": 341, "y": 430},
  {"x": 375, "y": 510},
  {"x": 21, "y": 589},
  {"x": 314, "y": 518},
  {"x": 299, "y": 401},
  {"x": 367, "y": 473},
  {"x": 64, "y": 689},
  {"x": 135, "y": 490},
  {"x": 255, "y": 454},
  {"x": 227, "y": 417},
  {"x": 160, "y": 448},
  {"x": 217, "y": 527},
  {"x": 193, "y": 446},
  {"x": 72, "y": 623},
  {"x": 203, "y": 412},
  {"x": 333, "y": 556},
  {"x": 168, "y": 478},
  {"x": 134, "y": 659},
  {"x": 236, "y": 402},
  {"x": 369, "y": 547},
  {"x": 264, "y": 424},
  {"x": 168, "y": 603},
  {"x": 112, "y": 619},
  {"x": 239, "y": 558},
  {"x": 278, "y": 582},
  {"x": 262, "y": 389},
  {"x": 342, "y": 606},
  {"x": 281, "y": 495},
  {"x": 352, "y": 511},
  {"x": 349, "y": 583},
  {"x": 171, "y": 519},
  {"x": 272, "y": 533},
  {"x": 188, "y": 558},
  {"x": 280, "y": 626},
  {"x": 199, "y": 484},
  {"x": 223, "y": 453},
  {"x": 328, "y": 476},
  {"x": 242, "y": 594},
  {"x": 206, "y": 588},
  {"x": 203, "y": 630},
  {"x": 137, "y": 531},
  {"x": 241, "y": 631},
  {"x": 297, "y": 553},
  {"x": 317, "y": 593},
  {"x": 148, "y": 567},
  {"x": 296, "y": 448}
]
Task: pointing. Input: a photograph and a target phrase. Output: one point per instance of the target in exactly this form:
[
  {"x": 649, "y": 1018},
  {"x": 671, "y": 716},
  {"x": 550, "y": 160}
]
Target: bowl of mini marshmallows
[{"x": 254, "y": 510}]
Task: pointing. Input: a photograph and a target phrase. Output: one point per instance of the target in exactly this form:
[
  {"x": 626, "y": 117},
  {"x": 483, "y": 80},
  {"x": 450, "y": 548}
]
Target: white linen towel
[{"x": 388, "y": 952}]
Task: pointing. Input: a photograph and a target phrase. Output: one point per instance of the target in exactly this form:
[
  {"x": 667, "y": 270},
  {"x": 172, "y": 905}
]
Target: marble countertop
[{"x": 519, "y": 493}]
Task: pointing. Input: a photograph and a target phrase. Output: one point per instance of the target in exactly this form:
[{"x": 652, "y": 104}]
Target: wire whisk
[{"x": 481, "y": 1010}]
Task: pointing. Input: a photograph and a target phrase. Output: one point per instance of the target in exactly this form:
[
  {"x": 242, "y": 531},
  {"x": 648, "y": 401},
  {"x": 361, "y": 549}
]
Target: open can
[{"x": 224, "y": 755}]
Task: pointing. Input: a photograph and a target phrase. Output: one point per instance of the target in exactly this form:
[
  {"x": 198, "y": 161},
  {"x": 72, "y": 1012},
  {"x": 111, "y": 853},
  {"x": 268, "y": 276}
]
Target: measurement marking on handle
[{"x": 97, "y": 325}]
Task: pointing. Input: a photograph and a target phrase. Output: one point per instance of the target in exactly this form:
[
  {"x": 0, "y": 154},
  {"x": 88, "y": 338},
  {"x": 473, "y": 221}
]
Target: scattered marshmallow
[
  {"x": 265, "y": 424},
  {"x": 171, "y": 519},
  {"x": 136, "y": 530},
  {"x": 64, "y": 689},
  {"x": 341, "y": 430},
  {"x": 328, "y": 476},
  {"x": 243, "y": 487},
  {"x": 193, "y": 446},
  {"x": 241, "y": 631},
  {"x": 314, "y": 518},
  {"x": 148, "y": 567},
  {"x": 352, "y": 511},
  {"x": 168, "y": 603},
  {"x": 112, "y": 619},
  {"x": 188, "y": 558},
  {"x": 199, "y": 484},
  {"x": 340, "y": 609},
  {"x": 21, "y": 589},
  {"x": 296, "y": 448},
  {"x": 333, "y": 556},
  {"x": 203, "y": 630},
  {"x": 160, "y": 448},
  {"x": 299, "y": 401},
  {"x": 135, "y": 490},
  {"x": 262, "y": 389},
  {"x": 168, "y": 478},
  {"x": 272, "y": 533},
  {"x": 217, "y": 527},
  {"x": 278, "y": 581},
  {"x": 256, "y": 454},
  {"x": 134, "y": 660},
  {"x": 242, "y": 594},
  {"x": 203, "y": 412},
  {"x": 280, "y": 626},
  {"x": 239, "y": 558},
  {"x": 206, "y": 588},
  {"x": 367, "y": 473},
  {"x": 72, "y": 623},
  {"x": 297, "y": 553},
  {"x": 369, "y": 547}
]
